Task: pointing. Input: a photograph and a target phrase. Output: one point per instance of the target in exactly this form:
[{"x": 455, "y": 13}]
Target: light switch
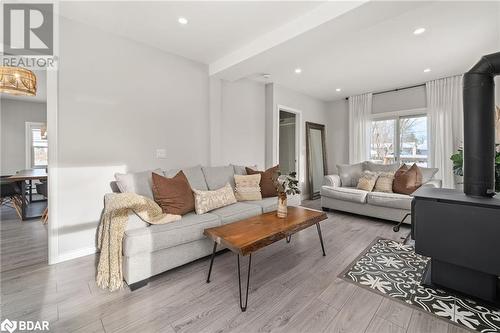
[{"x": 161, "y": 153}]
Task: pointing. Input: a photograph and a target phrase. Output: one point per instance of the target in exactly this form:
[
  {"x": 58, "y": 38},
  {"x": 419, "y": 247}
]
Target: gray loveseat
[
  {"x": 152, "y": 249},
  {"x": 339, "y": 192}
]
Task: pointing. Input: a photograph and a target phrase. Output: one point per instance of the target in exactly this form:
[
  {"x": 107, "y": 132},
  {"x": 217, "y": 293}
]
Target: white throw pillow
[
  {"x": 205, "y": 201},
  {"x": 137, "y": 182},
  {"x": 247, "y": 187}
]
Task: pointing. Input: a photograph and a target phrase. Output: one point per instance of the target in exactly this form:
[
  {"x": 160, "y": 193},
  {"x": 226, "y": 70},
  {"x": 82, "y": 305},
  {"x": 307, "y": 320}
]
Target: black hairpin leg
[
  {"x": 244, "y": 307},
  {"x": 396, "y": 227},
  {"x": 320, "y": 238},
  {"x": 288, "y": 238},
  {"x": 211, "y": 262}
]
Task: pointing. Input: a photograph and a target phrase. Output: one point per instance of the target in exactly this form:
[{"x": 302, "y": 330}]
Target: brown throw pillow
[
  {"x": 407, "y": 180},
  {"x": 173, "y": 195},
  {"x": 267, "y": 187}
]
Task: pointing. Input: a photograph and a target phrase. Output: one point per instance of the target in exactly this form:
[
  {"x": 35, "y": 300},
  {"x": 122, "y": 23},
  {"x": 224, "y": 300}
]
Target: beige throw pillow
[
  {"x": 367, "y": 181},
  {"x": 247, "y": 187},
  {"x": 205, "y": 201},
  {"x": 384, "y": 182}
]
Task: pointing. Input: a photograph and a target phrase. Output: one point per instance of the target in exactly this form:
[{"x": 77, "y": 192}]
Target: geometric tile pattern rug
[{"x": 395, "y": 270}]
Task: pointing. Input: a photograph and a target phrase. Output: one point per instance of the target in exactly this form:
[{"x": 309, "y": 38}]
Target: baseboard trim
[{"x": 74, "y": 254}]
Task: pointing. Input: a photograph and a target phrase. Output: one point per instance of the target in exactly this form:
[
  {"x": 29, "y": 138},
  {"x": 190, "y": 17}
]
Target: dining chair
[{"x": 10, "y": 194}]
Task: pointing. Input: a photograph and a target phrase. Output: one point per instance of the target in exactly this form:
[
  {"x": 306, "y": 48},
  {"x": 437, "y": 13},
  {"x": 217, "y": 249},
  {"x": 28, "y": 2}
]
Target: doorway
[
  {"x": 23, "y": 175},
  {"x": 287, "y": 142}
]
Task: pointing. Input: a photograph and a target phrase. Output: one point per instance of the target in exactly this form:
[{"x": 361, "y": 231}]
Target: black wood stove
[{"x": 460, "y": 232}]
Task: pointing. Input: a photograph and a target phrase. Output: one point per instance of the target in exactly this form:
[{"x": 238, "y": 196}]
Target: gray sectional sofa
[
  {"x": 339, "y": 192},
  {"x": 152, "y": 249}
]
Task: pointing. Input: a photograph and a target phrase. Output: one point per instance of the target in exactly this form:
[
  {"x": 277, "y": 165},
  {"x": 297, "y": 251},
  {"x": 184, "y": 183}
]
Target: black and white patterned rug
[{"x": 395, "y": 270}]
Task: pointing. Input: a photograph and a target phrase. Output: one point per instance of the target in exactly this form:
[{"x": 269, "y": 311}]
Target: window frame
[
  {"x": 29, "y": 148},
  {"x": 397, "y": 116}
]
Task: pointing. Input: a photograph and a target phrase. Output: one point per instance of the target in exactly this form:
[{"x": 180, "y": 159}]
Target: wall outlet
[{"x": 161, "y": 153}]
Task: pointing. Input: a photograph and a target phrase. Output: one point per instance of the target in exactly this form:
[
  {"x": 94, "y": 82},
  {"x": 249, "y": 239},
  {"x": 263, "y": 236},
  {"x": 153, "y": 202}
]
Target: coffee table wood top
[{"x": 249, "y": 235}]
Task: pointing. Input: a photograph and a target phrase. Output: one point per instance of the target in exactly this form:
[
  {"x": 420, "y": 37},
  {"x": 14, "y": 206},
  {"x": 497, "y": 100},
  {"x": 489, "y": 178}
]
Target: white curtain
[
  {"x": 360, "y": 109},
  {"x": 445, "y": 111}
]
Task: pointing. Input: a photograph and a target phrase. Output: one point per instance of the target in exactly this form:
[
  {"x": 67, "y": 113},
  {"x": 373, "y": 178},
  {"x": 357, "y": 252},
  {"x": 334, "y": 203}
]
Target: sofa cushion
[
  {"x": 384, "y": 182},
  {"x": 391, "y": 200},
  {"x": 376, "y": 167},
  {"x": 344, "y": 193},
  {"x": 407, "y": 180},
  {"x": 206, "y": 201},
  {"x": 217, "y": 177},
  {"x": 241, "y": 170},
  {"x": 267, "y": 187},
  {"x": 137, "y": 182},
  {"x": 173, "y": 195},
  {"x": 268, "y": 204},
  {"x": 237, "y": 212},
  {"x": 194, "y": 175},
  {"x": 247, "y": 187},
  {"x": 367, "y": 181},
  {"x": 161, "y": 236},
  {"x": 350, "y": 173}
]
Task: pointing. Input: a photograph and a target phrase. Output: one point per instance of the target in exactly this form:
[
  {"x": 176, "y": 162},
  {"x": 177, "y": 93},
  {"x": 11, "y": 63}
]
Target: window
[
  {"x": 37, "y": 145},
  {"x": 399, "y": 139}
]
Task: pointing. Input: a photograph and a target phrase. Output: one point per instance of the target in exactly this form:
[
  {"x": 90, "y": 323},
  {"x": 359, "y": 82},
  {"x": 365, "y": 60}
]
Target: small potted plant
[{"x": 285, "y": 185}]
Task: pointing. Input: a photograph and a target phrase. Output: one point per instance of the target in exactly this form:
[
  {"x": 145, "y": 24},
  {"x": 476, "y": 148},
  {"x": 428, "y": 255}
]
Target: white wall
[
  {"x": 242, "y": 130},
  {"x": 338, "y": 134},
  {"x": 118, "y": 102},
  {"x": 13, "y": 116}
]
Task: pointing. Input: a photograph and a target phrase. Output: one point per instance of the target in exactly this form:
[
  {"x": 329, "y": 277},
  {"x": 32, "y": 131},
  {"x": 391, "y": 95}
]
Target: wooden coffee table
[{"x": 249, "y": 235}]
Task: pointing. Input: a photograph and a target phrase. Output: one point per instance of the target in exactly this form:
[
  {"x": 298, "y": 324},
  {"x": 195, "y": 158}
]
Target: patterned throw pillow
[
  {"x": 247, "y": 187},
  {"x": 384, "y": 182},
  {"x": 367, "y": 181},
  {"x": 205, "y": 201}
]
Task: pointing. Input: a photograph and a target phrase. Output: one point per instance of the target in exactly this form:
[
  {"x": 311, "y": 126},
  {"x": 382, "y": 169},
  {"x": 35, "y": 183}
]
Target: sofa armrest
[
  {"x": 135, "y": 222},
  {"x": 435, "y": 183},
  {"x": 332, "y": 180}
]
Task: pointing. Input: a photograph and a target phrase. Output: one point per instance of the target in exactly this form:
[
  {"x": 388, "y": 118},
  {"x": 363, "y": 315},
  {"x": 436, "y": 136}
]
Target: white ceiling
[
  {"x": 356, "y": 46},
  {"x": 214, "y": 29},
  {"x": 372, "y": 48}
]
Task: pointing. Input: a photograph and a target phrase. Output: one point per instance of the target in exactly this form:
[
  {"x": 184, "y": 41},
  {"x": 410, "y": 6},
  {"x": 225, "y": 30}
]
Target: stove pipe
[{"x": 479, "y": 126}]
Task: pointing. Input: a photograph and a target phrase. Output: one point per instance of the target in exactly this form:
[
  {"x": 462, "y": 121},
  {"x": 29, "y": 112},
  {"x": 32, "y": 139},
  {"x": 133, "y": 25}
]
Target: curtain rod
[{"x": 397, "y": 89}]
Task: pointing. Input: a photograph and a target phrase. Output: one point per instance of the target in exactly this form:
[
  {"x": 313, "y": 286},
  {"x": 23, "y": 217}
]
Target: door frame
[{"x": 298, "y": 137}]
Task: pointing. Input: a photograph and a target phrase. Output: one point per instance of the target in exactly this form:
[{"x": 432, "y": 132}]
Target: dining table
[{"x": 25, "y": 178}]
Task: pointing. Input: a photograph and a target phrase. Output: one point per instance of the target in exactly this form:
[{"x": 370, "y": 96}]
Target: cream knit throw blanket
[{"x": 112, "y": 228}]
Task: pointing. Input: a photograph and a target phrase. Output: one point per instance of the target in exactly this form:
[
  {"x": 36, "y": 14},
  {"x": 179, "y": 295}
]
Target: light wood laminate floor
[{"x": 293, "y": 289}]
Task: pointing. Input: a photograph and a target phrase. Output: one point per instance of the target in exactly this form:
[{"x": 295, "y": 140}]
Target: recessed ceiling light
[
  {"x": 419, "y": 31},
  {"x": 182, "y": 20},
  {"x": 338, "y": 89},
  {"x": 427, "y": 70},
  {"x": 298, "y": 70}
]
